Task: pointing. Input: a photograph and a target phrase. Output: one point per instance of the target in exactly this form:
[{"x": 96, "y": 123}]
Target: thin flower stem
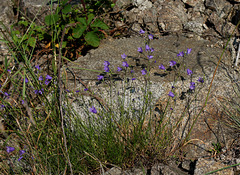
[{"x": 209, "y": 89}]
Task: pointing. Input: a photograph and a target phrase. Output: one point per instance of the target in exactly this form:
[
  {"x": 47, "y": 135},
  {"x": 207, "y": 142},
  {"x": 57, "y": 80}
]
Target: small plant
[{"x": 83, "y": 28}]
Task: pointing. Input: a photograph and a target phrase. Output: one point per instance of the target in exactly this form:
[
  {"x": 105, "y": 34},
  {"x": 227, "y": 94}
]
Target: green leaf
[
  {"x": 78, "y": 31},
  {"x": 90, "y": 18},
  {"x": 40, "y": 36},
  {"x": 67, "y": 9},
  {"x": 82, "y": 21},
  {"x": 98, "y": 23},
  {"x": 32, "y": 42},
  {"x": 64, "y": 44},
  {"x": 25, "y": 23},
  {"x": 92, "y": 39},
  {"x": 51, "y": 19}
]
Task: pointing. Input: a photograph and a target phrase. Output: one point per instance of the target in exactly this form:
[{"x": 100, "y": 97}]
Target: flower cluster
[{"x": 10, "y": 149}]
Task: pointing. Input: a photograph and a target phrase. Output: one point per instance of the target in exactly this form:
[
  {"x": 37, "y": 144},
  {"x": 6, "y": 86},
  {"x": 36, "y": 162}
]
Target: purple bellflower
[
  {"x": 150, "y": 36},
  {"x": 192, "y": 86},
  {"x": 106, "y": 63},
  {"x": 189, "y": 72},
  {"x": 144, "y": 72},
  {"x": 201, "y": 80},
  {"x": 141, "y": 31},
  {"x": 124, "y": 56},
  {"x": 150, "y": 56},
  {"x": 188, "y": 51},
  {"x": 171, "y": 94},
  {"x": 119, "y": 69},
  {"x": 93, "y": 110},
  {"x": 172, "y": 63},
  {"x": 100, "y": 77},
  {"x": 147, "y": 47},
  {"x": 161, "y": 67},
  {"x": 181, "y": 54},
  {"x": 140, "y": 50},
  {"x": 125, "y": 64},
  {"x": 10, "y": 149}
]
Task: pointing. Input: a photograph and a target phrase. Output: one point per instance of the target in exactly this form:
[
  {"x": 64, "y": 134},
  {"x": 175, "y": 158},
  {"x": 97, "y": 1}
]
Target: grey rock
[
  {"x": 204, "y": 166},
  {"x": 194, "y": 27},
  {"x": 123, "y": 3},
  {"x": 142, "y": 4},
  {"x": 191, "y": 2}
]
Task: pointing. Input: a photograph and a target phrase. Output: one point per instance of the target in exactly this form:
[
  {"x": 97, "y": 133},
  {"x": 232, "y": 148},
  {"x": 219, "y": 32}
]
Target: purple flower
[
  {"x": 106, "y": 63},
  {"x": 124, "y": 56},
  {"x": 100, "y": 77},
  {"x": 86, "y": 89},
  {"x": 22, "y": 102},
  {"x": 93, "y": 110},
  {"x": 151, "y": 49},
  {"x": 26, "y": 80},
  {"x": 150, "y": 56},
  {"x": 125, "y": 64},
  {"x": 188, "y": 51},
  {"x": 155, "y": 61},
  {"x": 201, "y": 80},
  {"x": 10, "y": 149},
  {"x": 172, "y": 63},
  {"x": 106, "y": 68},
  {"x": 141, "y": 31},
  {"x": 147, "y": 47},
  {"x": 48, "y": 77},
  {"x": 170, "y": 94},
  {"x": 171, "y": 108},
  {"x": 40, "y": 78},
  {"x": 150, "y": 36},
  {"x": 189, "y": 72},
  {"x": 21, "y": 152},
  {"x": 144, "y": 72},
  {"x": 140, "y": 50},
  {"x": 2, "y": 106},
  {"x": 133, "y": 78},
  {"x": 67, "y": 90},
  {"x": 9, "y": 70},
  {"x": 119, "y": 69},
  {"x": 181, "y": 54},
  {"x": 161, "y": 67},
  {"x": 77, "y": 91},
  {"x": 192, "y": 86},
  {"x": 6, "y": 94},
  {"x": 38, "y": 92},
  {"x": 132, "y": 71},
  {"x": 20, "y": 158},
  {"x": 46, "y": 82},
  {"x": 37, "y": 66}
]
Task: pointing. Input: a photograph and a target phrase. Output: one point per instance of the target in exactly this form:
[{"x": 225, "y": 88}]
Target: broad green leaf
[
  {"x": 64, "y": 2},
  {"x": 32, "y": 42},
  {"x": 40, "y": 36},
  {"x": 90, "y": 18},
  {"x": 51, "y": 19},
  {"x": 82, "y": 21},
  {"x": 78, "y": 31},
  {"x": 25, "y": 23},
  {"x": 64, "y": 44},
  {"x": 92, "y": 39},
  {"x": 67, "y": 9},
  {"x": 99, "y": 24}
]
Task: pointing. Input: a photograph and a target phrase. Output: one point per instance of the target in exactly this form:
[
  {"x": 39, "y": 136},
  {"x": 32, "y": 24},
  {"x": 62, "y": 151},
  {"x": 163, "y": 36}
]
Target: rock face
[{"x": 202, "y": 61}]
